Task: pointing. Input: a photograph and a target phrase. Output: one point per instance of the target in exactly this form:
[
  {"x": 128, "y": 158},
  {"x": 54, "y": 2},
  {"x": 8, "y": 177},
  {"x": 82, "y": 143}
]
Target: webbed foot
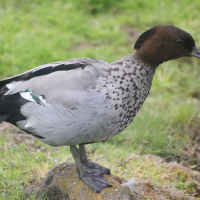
[
  {"x": 90, "y": 172},
  {"x": 97, "y": 182},
  {"x": 94, "y": 168}
]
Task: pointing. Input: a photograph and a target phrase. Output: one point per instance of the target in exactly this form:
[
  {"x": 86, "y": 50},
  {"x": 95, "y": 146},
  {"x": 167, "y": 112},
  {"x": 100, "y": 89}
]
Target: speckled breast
[{"x": 129, "y": 84}]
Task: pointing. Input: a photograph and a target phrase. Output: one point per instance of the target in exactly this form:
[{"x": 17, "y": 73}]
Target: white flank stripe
[
  {"x": 42, "y": 100},
  {"x": 28, "y": 125}
]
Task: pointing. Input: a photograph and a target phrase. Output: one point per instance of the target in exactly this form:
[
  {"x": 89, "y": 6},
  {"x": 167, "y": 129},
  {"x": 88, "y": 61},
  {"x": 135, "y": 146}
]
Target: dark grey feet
[
  {"x": 94, "y": 168},
  {"x": 91, "y": 167},
  {"x": 90, "y": 172},
  {"x": 96, "y": 182}
]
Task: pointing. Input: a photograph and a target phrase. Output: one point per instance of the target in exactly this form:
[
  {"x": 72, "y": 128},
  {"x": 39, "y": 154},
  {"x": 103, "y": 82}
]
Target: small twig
[
  {"x": 193, "y": 166},
  {"x": 130, "y": 158},
  {"x": 196, "y": 183},
  {"x": 101, "y": 156},
  {"x": 170, "y": 140},
  {"x": 50, "y": 158}
]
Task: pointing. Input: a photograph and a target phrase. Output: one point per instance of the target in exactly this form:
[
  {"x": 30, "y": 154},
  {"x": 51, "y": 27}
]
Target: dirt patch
[{"x": 6, "y": 128}]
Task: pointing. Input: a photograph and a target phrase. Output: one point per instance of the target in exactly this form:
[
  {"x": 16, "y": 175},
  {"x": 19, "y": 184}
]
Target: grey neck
[{"x": 133, "y": 79}]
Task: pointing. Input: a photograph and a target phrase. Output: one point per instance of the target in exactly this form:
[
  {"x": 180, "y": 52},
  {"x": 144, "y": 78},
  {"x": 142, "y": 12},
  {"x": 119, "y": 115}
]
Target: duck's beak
[{"x": 195, "y": 52}]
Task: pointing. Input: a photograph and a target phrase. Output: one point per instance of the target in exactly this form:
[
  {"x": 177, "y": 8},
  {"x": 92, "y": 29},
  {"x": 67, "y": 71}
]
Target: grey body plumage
[
  {"x": 84, "y": 100},
  {"x": 96, "y": 104}
]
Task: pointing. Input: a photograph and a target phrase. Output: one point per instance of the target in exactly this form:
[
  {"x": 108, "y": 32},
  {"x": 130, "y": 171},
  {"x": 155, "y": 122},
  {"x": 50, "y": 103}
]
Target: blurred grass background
[{"x": 36, "y": 32}]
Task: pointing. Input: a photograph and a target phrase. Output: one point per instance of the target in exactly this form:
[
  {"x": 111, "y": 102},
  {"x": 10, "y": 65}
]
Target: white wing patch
[
  {"x": 30, "y": 97},
  {"x": 27, "y": 95},
  {"x": 9, "y": 86}
]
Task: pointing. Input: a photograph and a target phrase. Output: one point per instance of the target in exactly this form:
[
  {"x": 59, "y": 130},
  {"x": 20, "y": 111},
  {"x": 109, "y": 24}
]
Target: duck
[{"x": 84, "y": 100}]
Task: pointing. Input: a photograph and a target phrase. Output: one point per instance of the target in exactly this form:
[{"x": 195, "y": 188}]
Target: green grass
[{"x": 38, "y": 32}]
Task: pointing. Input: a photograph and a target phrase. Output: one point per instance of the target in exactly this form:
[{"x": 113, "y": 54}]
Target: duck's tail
[
  {"x": 10, "y": 105},
  {"x": 3, "y": 118},
  {"x": 3, "y": 113}
]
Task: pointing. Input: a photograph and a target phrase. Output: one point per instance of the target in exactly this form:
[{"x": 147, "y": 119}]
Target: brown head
[{"x": 163, "y": 43}]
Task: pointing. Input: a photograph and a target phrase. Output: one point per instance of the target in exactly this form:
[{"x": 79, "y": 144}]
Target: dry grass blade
[
  {"x": 130, "y": 158},
  {"x": 100, "y": 156},
  {"x": 156, "y": 163}
]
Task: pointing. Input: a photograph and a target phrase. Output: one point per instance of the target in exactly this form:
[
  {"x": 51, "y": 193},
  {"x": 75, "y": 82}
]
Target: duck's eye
[{"x": 179, "y": 41}]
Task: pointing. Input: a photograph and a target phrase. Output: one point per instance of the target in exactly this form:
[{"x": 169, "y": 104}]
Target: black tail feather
[
  {"x": 3, "y": 118},
  {"x": 10, "y": 106},
  {"x": 3, "y": 90}
]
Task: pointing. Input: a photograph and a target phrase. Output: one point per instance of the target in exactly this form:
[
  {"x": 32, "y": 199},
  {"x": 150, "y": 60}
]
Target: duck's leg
[
  {"x": 95, "y": 181},
  {"x": 91, "y": 167}
]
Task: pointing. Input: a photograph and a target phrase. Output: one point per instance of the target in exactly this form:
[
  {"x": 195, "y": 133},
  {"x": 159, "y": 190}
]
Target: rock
[
  {"x": 189, "y": 173},
  {"x": 63, "y": 183},
  {"x": 149, "y": 190}
]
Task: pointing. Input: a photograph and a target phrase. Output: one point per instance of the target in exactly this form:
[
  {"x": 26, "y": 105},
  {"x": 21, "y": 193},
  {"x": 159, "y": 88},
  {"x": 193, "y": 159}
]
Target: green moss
[{"x": 189, "y": 186}]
